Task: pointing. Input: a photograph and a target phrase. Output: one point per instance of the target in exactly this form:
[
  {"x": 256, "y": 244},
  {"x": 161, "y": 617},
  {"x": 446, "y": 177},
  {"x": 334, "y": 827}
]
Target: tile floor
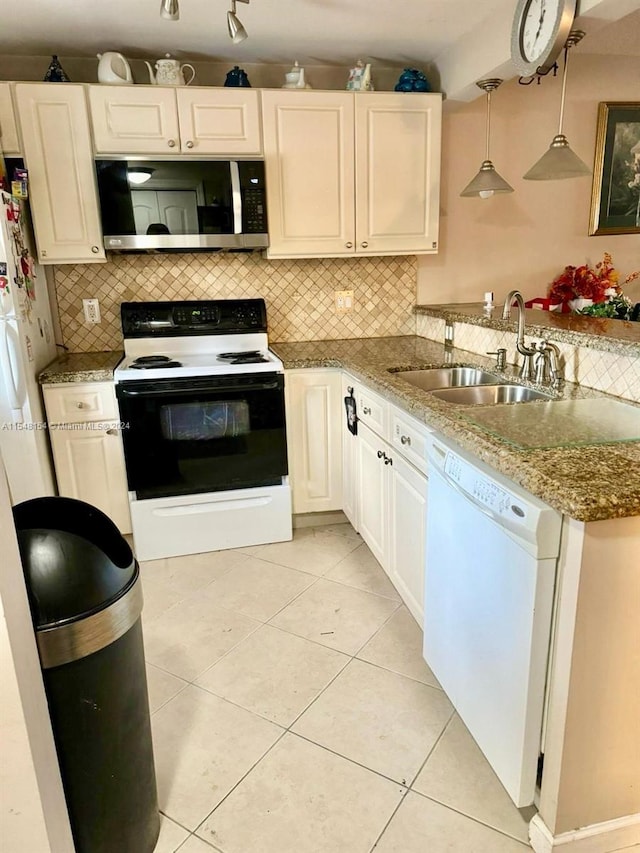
[{"x": 292, "y": 711}]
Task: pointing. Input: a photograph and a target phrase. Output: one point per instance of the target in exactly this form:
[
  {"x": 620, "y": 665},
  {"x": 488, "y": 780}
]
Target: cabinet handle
[
  {"x": 364, "y": 245},
  {"x": 388, "y": 460},
  {"x": 349, "y": 245},
  {"x": 44, "y": 253},
  {"x": 405, "y": 439},
  {"x": 95, "y": 250},
  {"x": 366, "y": 410},
  {"x": 171, "y": 143},
  {"x": 112, "y": 432},
  {"x": 380, "y": 454},
  {"x": 189, "y": 143}
]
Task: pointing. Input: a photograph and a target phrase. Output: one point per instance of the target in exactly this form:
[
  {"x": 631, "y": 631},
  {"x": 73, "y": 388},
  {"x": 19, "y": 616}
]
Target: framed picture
[{"x": 615, "y": 198}]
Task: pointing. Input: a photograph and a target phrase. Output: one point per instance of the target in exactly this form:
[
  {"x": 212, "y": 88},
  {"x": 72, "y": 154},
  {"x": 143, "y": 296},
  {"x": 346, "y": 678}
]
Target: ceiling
[
  {"x": 312, "y": 31},
  {"x": 464, "y": 40}
]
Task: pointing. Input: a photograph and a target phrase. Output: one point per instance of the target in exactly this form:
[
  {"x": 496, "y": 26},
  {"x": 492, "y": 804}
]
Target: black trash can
[{"x": 86, "y": 600}]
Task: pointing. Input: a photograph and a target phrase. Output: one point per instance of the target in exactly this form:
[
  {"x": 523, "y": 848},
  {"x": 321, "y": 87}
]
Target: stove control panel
[{"x": 197, "y": 317}]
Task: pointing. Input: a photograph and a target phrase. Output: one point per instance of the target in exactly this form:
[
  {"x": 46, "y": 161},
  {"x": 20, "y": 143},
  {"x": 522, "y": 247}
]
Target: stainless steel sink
[
  {"x": 448, "y": 377},
  {"x": 490, "y": 394}
]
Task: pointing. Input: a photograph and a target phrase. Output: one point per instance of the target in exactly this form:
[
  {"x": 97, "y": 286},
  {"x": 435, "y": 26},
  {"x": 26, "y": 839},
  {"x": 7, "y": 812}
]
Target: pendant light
[
  {"x": 487, "y": 181},
  {"x": 237, "y": 32},
  {"x": 559, "y": 161},
  {"x": 170, "y": 10}
]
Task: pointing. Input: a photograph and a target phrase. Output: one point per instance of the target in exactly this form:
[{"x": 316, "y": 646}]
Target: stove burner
[
  {"x": 146, "y": 362},
  {"x": 246, "y": 357}
]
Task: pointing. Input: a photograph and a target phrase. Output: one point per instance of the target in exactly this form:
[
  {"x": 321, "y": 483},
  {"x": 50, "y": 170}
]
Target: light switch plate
[
  {"x": 91, "y": 308},
  {"x": 343, "y": 301}
]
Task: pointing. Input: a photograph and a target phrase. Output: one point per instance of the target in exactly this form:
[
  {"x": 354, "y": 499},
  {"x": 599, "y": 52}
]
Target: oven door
[{"x": 208, "y": 434}]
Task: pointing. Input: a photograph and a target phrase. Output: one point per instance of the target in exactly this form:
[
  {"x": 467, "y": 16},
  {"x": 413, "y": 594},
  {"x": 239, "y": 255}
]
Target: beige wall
[
  {"x": 525, "y": 238},
  {"x": 299, "y": 294}
]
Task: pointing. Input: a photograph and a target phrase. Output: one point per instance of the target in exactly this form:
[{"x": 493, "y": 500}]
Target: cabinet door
[
  {"x": 90, "y": 467},
  {"x": 397, "y": 173},
  {"x": 349, "y": 459},
  {"x": 373, "y": 494},
  {"x": 58, "y": 155},
  {"x": 309, "y": 161},
  {"x": 9, "y": 136},
  {"x": 219, "y": 121},
  {"x": 314, "y": 439},
  {"x": 134, "y": 119},
  {"x": 408, "y": 524}
]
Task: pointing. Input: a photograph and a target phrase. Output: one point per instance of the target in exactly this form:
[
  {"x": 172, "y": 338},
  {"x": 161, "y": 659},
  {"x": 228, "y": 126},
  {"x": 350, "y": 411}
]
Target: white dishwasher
[{"x": 492, "y": 552}]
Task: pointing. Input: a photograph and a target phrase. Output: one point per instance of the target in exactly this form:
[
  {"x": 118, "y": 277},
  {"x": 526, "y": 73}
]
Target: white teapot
[
  {"x": 113, "y": 69},
  {"x": 169, "y": 72}
]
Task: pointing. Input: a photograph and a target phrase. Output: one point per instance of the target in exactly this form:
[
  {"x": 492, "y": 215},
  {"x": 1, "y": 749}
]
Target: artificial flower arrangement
[{"x": 594, "y": 291}]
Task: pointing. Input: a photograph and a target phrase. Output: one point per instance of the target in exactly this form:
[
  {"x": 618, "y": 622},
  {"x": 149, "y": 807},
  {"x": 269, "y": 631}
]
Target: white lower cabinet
[
  {"x": 391, "y": 504},
  {"x": 88, "y": 454},
  {"x": 314, "y": 411}
]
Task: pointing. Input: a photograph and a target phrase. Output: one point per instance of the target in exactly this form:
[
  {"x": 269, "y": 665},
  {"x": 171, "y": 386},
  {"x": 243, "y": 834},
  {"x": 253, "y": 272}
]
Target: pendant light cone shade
[
  {"x": 487, "y": 182},
  {"x": 170, "y": 10},
  {"x": 237, "y": 32},
  {"x": 559, "y": 161}
]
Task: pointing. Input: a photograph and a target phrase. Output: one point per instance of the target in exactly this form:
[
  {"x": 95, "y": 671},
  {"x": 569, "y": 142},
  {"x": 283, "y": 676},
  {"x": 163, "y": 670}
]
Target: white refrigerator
[{"x": 26, "y": 346}]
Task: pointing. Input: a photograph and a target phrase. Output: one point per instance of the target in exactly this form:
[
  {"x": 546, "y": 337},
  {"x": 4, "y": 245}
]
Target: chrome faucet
[
  {"x": 527, "y": 353},
  {"x": 547, "y": 365}
]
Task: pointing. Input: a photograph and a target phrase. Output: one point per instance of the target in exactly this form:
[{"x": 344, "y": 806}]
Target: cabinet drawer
[
  {"x": 410, "y": 438},
  {"x": 76, "y": 403},
  {"x": 373, "y": 411}
]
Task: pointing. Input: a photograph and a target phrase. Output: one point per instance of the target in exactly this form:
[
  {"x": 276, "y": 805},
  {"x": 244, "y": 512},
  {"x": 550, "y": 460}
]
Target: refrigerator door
[{"x": 26, "y": 346}]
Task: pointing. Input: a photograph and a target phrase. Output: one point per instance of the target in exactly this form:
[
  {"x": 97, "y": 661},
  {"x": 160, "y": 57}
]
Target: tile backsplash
[
  {"x": 299, "y": 293},
  {"x": 605, "y": 371}
]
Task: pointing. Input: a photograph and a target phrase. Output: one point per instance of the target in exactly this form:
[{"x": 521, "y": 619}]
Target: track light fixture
[
  {"x": 170, "y": 10},
  {"x": 237, "y": 32},
  {"x": 487, "y": 182}
]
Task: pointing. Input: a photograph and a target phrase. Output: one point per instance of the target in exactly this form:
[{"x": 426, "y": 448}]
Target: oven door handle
[{"x": 123, "y": 391}]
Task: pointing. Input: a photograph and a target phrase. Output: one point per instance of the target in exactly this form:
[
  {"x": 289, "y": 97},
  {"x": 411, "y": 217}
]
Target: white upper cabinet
[
  {"x": 309, "y": 164},
  {"x": 352, "y": 173},
  {"x": 165, "y": 120},
  {"x": 9, "y": 134},
  {"x": 62, "y": 184}
]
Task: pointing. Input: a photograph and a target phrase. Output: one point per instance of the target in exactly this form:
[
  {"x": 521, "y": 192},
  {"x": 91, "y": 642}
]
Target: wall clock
[{"x": 539, "y": 32}]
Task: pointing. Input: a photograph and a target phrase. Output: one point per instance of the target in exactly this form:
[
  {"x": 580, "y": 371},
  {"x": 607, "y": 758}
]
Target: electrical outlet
[
  {"x": 343, "y": 301},
  {"x": 91, "y": 308}
]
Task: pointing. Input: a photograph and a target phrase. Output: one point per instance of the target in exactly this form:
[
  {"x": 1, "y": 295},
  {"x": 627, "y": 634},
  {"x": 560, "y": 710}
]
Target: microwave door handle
[{"x": 236, "y": 196}]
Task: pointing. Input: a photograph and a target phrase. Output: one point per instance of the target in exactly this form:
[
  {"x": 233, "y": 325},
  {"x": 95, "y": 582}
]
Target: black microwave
[{"x": 182, "y": 205}]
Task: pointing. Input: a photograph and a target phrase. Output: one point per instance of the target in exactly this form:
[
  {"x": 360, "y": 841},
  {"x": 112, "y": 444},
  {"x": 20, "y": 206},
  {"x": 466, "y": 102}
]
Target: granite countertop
[
  {"x": 81, "y": 367},
  {"x": 618, "y": 336},
  {"x": 588, "y": 483}
]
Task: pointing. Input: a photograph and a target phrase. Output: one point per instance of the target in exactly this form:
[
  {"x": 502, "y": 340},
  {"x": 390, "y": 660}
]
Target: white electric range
[{"x": 201, "y": 399}]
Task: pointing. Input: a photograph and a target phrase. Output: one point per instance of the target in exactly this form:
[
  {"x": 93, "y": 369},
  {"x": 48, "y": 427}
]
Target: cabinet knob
[
  {"x": 95, "y": 249},
  {"x": 366, "y": 410},
  {"x": 112, "y": 432},
  {"x": 171, "y": 143},
  {"x": 44, "y": 253},
  {"x": 405, "y": 439},
  {"x": 380, "y": 454},
  {"x": 80, "y": 405},
  {"x": 189, "y": 144},
  {"x": 349, "y": 245},
  {"x": 364, "y": 245}
]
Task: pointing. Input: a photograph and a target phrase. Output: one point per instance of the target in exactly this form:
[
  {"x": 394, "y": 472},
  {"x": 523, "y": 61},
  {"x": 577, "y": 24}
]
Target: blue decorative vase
[
  {"x": 412, "y": 80},
  {"x": 237, "y": 77},
  {"x": 55, "y": 72}
]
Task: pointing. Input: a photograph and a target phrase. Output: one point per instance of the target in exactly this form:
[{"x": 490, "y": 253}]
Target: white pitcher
[
  {"x": 113, "y": 69},
  {"x": 169, "y": 72}
]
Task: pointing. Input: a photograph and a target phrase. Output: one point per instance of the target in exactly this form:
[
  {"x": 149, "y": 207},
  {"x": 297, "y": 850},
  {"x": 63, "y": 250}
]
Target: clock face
[
  {"x": 540, "y": 30},
  {"x": 537, "y": 27}
]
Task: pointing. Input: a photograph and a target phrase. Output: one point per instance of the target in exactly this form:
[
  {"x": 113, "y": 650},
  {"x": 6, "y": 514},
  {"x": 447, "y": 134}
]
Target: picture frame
[{"x": 615, "y": 196}]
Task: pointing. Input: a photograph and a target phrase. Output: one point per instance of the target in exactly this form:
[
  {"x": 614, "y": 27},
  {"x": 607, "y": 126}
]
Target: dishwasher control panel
[{"x": 482, "y": 489}]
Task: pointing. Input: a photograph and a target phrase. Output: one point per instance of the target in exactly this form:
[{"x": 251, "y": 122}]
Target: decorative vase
[
  {"x": 55, "y": 72},
  {"x": 577, "y": 305}
]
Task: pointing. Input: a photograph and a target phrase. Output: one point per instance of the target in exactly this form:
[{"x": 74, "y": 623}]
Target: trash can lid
[{"x": 76, "y": 562}]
